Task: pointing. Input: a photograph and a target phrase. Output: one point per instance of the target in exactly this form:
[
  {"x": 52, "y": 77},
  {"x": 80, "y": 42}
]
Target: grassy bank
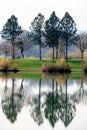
[
  {"x": 34, "y": 68},
  {"x": 36, "y": 64}
]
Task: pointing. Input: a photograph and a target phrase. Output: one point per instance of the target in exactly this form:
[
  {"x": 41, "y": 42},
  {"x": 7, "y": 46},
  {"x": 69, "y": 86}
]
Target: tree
[
  {"x": 82, "y": 43},
  {"x": 24, "y": 42},
  {"x": 10, "y": 31},
  {"x": 5, "y": 47},
  {"x": 68, "y": 31},
  {"x": 37, "y": 30},
  {"x": 52, "y": 31},
  {"x": 61, "y": 48}
]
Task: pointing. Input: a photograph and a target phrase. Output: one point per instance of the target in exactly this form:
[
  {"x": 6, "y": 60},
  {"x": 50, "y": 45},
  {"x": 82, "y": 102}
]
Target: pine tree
[
  {"x": 37, "y": 31},
  {"x": 52, "y": 32},
  {"x": 68, "y": 32},
  {"x": 10, "y": 31}
]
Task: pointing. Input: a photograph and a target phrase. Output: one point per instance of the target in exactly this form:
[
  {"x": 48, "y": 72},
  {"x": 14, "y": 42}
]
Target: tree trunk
[
  {"x": 66, "y": 57},
  {"x": 40, "y": 44},
  {"x": 13, "y": 55},
  {"x": 22, "y": 53},
  {"x": 53, "y": 51},
  {"x": 6, "y": 55},
  {"x": 40, "y": 49},
  {"x": 13, "y": 51},
  {"x": 57, "y": 52},
  {"x": 82, "y": 55}
]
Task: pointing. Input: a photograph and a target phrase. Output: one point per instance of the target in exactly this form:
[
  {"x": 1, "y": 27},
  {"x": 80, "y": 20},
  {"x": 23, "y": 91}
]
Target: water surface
[{"x": 38, "y": 104}]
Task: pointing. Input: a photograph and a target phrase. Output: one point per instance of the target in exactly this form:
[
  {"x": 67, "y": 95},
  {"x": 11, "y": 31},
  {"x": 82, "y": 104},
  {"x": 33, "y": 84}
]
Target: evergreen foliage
[
  {"x": 68, "y": 31},
  {"x": 11, "y": 30},
  {"x": 52, "y": 31},
  {"x": 37, "y": 31}
]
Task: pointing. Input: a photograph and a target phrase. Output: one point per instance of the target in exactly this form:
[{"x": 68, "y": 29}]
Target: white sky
[{"x": 27, "y": 10}]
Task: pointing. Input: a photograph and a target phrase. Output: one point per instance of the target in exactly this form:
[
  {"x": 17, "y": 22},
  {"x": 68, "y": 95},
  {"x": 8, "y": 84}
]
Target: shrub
[
  {"x": 60, "y": 64},
  {"x": 13, "y": 65},
  {"x": 60, "y": 67},
  {"x": 6, "y": 64},
  {"x": 84, "y": 67},
  {"x": 46, "y": 66},
  {"x": 63, "y": 66}
]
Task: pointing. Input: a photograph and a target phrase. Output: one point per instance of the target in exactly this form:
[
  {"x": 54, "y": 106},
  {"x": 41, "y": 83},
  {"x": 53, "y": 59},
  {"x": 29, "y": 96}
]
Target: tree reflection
[
  {"x": 36, "y": 104},
  {"x": 20, "y": 96},
  {"x": 81, "y": 94},
  {"x": 68, "y": 110},
  {"x": 52, "y": 106},
  {"x": 11, "y": 105},
  {"x": 57, "y": 106}
]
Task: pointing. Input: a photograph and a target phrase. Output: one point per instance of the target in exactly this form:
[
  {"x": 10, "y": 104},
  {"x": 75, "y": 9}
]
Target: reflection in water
[
  {"x": 52, "y": 106},
  {"x": 9, "y": 105},
  {"x": 36, "y": 107},
  {"x": 81, "y": 94},
  {"x": 68, "y": 109},
  {"x": 12, "y": 104},
  {"x": 47, "y": 99}
]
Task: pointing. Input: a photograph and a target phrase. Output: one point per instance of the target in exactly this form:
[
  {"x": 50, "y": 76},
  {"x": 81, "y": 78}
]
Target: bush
[
  {"x": 6, "y": 64},
  {"x": 46, "y": 67},
  {"x": 63, "y": 66},
  {"x": 60, "y": 67},
  {"x": 84, "y": 67}
]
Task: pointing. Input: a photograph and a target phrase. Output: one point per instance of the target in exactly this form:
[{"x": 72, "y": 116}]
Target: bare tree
[
  {"x": 82, "y": 43},
  {"x": 5, "y": 47},
  {"x": 61, "y": 48},
  {"x": 24, "y": 42}
]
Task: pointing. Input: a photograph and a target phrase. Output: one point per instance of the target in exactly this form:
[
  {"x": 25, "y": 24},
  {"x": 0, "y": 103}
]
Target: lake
[{"x": 43, "y": 103}]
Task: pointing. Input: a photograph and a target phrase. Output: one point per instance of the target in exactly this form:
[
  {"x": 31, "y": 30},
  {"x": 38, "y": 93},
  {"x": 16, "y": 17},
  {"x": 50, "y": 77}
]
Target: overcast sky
[{"x": 27, "y": 10}]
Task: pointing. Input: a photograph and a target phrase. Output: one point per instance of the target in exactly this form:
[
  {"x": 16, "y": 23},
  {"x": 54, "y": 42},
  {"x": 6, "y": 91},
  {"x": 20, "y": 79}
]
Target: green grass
[
  {"x": 32, "y": 68},
  {"x": 32, "y": 75},
  {"x": 39, "y": 75},
  {"x": 31, "y": 64},
  {"x": 76, "y": 64},
  {"x": 36, "y": 64}
]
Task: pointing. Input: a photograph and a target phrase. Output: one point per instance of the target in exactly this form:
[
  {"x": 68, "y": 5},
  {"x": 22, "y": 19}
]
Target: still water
[{"x": 38, "y": 104}]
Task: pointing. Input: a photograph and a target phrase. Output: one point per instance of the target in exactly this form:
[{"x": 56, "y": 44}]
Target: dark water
[{"x": 38, "y": 104}]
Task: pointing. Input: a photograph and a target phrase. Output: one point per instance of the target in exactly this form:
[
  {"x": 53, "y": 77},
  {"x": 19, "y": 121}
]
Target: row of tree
[
  {"x": 54, "y": 29},
  {"x": 44, "y": 33}
]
